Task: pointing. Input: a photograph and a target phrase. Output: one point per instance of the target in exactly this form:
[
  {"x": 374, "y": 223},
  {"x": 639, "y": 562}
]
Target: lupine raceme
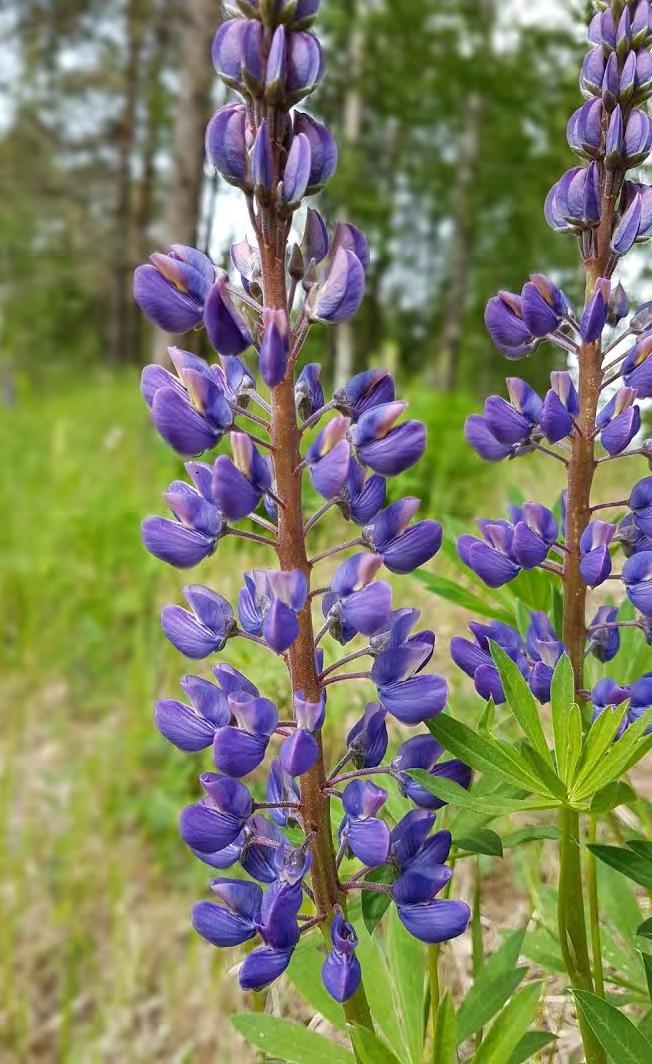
[{"x": 260, "y": 405}]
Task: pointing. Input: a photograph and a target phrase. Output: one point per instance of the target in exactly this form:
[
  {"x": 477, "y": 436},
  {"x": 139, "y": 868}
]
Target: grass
[{"x": 97, "y": 958}]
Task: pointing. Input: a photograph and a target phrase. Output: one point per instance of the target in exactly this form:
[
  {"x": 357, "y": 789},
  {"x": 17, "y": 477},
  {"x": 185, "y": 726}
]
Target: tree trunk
[
  {"x": 351, "y": 126},
  {"x": 183, "y": 205},
  {"x": 121, "y": 304},
  {"x": 446, "y": 376}
]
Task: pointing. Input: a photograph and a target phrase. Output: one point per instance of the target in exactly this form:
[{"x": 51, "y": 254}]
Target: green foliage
[
  {"x": 289, "y": 1041},
  {"x": 635, "y": 862},
  {"x": 618, "y": 1035}
]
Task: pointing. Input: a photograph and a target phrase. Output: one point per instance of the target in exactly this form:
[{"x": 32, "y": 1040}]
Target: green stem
[
  {"x": 433, "y": 980},
  {"x": 594, "y": 912},
  {"x": 572, "y": 924}
]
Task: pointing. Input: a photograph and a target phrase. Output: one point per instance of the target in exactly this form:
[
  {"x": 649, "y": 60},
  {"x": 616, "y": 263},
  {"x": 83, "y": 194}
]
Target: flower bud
[
  {"x": 238, "y": 55},
  {"x": 584, "y": 131},
  {"x": 226, "y": 145},
  {"x": 227, "y": 331},
  {"x": 339, "y": 296},
  {"x": 305, "y": 66},
  {"x": 297, "y": 172},
  {"x": 274, "y": 347},
  {"x": 262, "y": 164},
  {"x": 276, "y": 67},
  {"x": 323, "y": 151}
]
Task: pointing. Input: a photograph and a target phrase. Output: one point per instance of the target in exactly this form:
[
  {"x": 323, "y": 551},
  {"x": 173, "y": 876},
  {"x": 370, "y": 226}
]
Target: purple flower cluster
[
  {"x": 597, "y": 398},
  {"x": 277, "y": 156}
]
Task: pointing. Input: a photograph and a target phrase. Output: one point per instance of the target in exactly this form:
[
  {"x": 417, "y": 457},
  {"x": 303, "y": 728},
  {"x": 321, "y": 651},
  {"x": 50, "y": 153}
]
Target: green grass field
[{"x": 98, "y": 961}]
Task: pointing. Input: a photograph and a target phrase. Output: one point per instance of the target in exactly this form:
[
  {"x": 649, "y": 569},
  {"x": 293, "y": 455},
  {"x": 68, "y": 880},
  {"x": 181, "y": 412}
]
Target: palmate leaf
[
  {"x": 289, "y": 1041},
  {"x": 380, "y": 980},
  {"x": 521, "y": 701},
  {"x": 611, "y": 796},
  {"x": 488, "y": 754},
  {"x": 619, "y": 758},
  {"x": 616, "y": 1034},
  {"x": 490, "y": 805},
  {"x": 566, "y": 720},
  {"x": 482, "y": 841}
]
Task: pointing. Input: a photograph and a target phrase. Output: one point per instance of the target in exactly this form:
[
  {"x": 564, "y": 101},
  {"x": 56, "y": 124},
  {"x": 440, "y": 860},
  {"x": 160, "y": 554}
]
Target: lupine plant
[
  {"x": 331, "y": 847},
  {"x": 293, "y": 273}
]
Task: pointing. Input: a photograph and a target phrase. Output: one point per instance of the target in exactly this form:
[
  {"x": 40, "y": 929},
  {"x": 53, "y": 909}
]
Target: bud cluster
[{"x": 347, "y": 446}]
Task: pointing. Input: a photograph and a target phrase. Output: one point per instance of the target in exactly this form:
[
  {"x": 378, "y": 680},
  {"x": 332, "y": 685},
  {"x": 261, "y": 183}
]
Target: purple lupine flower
[
  {"x": 281, "y": 787},
  {"x": 323, "y": 164},
  {"x": 362, "y": 496},
  {"x": 215, "y": 821},
  {"x": 203, "y": 629},
  {"x": 234, "y": 921},
  {"x": 239, "y": 485},
  {"x": 351, "y": 238},
  {"x": 367, "y": 740},
  {"x": 637, "y": 577},
  {"x": 504, "y": 321},
  {"x": 475, "y": 659},
  {"x": 640, "y": 503},
  {"x": 355, "y": 603},
  {"x": 618, "y": 304},
  {"x": 192, "y": 411},
  {"x": 361, "y": 831},
  {"x": 403, "y": 547},
  {"x": 543, "y": 306},
  {"x": 637, "y": 368},
  {"x": 492, "y": 557},
  {"x": 371, "y": 388},
  {"x": 238, "y": 55},
  {"x": 246, "y": 259},
  {"x": 276, "y": 66},
  {"x": 480, "y": 437},
  {"x": 305, "y": 66},
  {"x": 300, "y": 750},
  {"x": 262, "y": 164},
  {"x": 193, "y": 534},
  {"x": 512, "y": 422},
  {"x": 595, "y": 565},
  {"x": 237, "y": 751},
  {"x": 227, "y": 145},
  {"x": 584, "y": 131},
  {"x": 630, "y": 537},
  {"x": 385, "y": 447},
  {"x": 340, "y": 294},
  {"x": 425, "y": 916},
  {"x": 308, "y": 391},
  {"x": 274, "y": 347},
  {"x": 544, "y": 650},
  {"x": 341, "y": 973},
  {"x": 604, "y": 637},
  {"x": 575, "y": 201},
  {"x": 226, "y": 329},
  {"x": 594, "y": 318},
  {"x": 171, "y": 290},
  {"x": 403, "y": 688},
  {"x": 609, "y": 695},
  {"x": 620, "y": 421},
  {"x": 269, "y": 603},
  {"x": 277, "y": 926},
  {"x": 534, "y": 535},
  {"x": 560, "y": 406},
  {"x": 329, "y": 457},
  {"x": 192, "y": 728},
  {"x": 422, "y": 751}
]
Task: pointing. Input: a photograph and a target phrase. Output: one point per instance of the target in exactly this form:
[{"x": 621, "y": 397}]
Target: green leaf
[
  {"x": 451, "y": 591},
  {"x": 289, "y": 1041},
  {"x": 534, "y": 587},
  {"x": 615, "y": 1033},
  {"x": 510, "y": 1026},
  {"x": 622, "y": 756},
  {"x": 407, "y": 964},
  {"x": 305, "y": 975},
  {"x": 378, "y": 978},
  {"x": 521, "y": 701},
  {"x": 643, "y": 943},
  {"x": 630, "y": 864},
  {"x": 499, "y": 965},
  {"x": 598, "y": 741},
  {"x": 369, "y": 1049},
  {"x": 494, "y": 805},
  {"x": 611, "y": 796},
  {"x": 481, "y": 841},
  {"x": 531, "y": 1043},
  {"x": 484, "y": 753},
  {"x": 445, "y": 1048},
  {"x": 485, "y": 998},
  {"x": 374, "y": 906},
  {"x": 543, "y": 771},
  {"x": 566, "y": 719},
  {"x": 535, "y": 833}
]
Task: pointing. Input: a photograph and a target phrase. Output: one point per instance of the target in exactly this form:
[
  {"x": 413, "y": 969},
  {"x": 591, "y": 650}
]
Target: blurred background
[{"x": 451, "y": 118}]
